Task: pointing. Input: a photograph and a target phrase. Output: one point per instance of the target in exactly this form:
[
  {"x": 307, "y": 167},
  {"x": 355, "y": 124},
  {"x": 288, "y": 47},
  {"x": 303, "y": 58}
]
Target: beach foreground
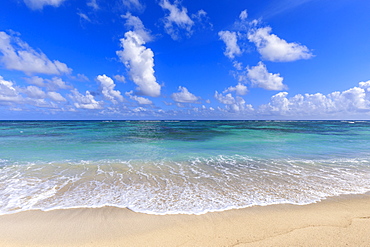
[{"x": 339, "y": 221}]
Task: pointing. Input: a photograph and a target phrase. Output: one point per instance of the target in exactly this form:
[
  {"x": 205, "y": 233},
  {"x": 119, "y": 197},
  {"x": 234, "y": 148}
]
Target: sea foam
[{"x": 196, "y": 186}]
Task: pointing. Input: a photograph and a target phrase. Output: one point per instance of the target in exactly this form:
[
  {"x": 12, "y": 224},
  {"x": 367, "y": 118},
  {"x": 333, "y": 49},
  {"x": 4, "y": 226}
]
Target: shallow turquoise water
[{"x": 164, "y": 167}]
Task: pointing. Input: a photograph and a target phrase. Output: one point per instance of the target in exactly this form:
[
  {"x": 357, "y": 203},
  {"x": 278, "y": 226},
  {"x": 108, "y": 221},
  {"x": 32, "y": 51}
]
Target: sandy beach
[{"x": 339, "y": 221}]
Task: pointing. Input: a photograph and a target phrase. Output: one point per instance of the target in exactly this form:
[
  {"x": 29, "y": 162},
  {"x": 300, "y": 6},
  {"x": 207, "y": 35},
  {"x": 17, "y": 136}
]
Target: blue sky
[{"x": 165, "y": 59}]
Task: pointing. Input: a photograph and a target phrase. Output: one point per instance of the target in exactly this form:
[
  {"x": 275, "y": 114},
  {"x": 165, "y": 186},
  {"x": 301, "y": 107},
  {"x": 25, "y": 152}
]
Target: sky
[{"x": 173, "y": 60}]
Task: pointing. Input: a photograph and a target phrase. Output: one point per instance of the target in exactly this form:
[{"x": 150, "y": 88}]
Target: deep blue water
[{"x": 167, "y": 167}]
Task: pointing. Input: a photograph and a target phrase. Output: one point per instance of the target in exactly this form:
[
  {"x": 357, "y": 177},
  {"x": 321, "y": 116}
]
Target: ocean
[{"x": 179, "y": 167}]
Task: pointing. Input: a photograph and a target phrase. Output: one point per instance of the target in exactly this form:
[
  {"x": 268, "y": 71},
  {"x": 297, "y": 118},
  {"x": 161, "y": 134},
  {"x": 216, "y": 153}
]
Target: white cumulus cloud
[
  {"x": 107, "y": 86},
  {"x": 18, "y": 55},
  {"x": 39, "y": 4},
  {"x": 8, "y": 92},
  {"x": 140, "y": 100},
  {"x": 120, "y": 78},
  {"x": 86, "y": 101},
  {"x": 139, "y": 109},
  {"x": 233, "y": 104},
  {"x": 243, "y": 15},
  {"x": 177, "y": 19},
  {"x": 36, "y": 80},
  {"x": 273, "y": 48},
  {"x": 139, "y": 61},
  {"x": 80, "y": 77},
  {"x": 83, "y": 16},
  {"x": 201, "y": 18},
  {"x": 133, "y": 4},
  {"x": 134, "y": 23},
  {"x": 239, "y": 89},
  {"x": 230, "y": 39},
  {"x": 260, "y": 77},
  {"x": 354, "y": 101},
  {"x": 93, "y": 4},
  {"x": 35, "y": 92},
  {"x": 57, "y": 83},
  {"x": 184, "y": 96},
  {"x": 57, "y": 97},
  {"x": 53, "y": 84},
  {"x": 227, "y": 99}
]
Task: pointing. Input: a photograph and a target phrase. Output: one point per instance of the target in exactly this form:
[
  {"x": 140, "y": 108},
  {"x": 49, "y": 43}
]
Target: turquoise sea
[{"x": 169, "y": 167}]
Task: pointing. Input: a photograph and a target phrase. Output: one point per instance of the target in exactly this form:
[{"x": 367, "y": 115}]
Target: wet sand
[{"x": 339, "y": 221}]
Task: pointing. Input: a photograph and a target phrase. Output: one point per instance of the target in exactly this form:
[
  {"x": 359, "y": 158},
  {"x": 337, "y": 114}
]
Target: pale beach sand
[{"x": 341, "y": 221}]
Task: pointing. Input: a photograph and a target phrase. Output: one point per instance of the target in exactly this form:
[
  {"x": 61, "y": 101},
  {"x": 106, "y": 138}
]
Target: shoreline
[{"x": 336, "y": 221}]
